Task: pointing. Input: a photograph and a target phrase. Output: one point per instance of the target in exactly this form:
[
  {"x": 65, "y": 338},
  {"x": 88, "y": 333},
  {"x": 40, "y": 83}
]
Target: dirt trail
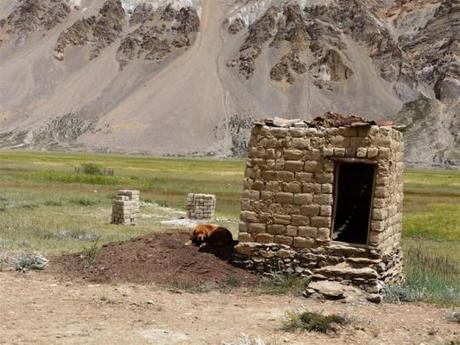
[{"x": 36, "y": 308}]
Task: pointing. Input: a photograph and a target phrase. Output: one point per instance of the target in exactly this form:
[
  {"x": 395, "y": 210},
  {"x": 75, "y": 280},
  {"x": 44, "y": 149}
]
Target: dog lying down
[{"x": 211, "y": 235}]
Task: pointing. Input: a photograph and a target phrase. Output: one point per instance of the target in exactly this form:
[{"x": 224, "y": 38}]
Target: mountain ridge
[{"x": 185, "y": 77}]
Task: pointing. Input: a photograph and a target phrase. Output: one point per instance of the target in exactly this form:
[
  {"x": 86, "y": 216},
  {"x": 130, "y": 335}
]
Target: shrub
[
  {"x": 29, "y": 261},
  {"x": 232, "y": 282},
  {"x": 89, "y": 255},
  {"x": 84, "y": 201},
  {"x": 313, "y": 322},
  {"x": 91, "y": 169}
]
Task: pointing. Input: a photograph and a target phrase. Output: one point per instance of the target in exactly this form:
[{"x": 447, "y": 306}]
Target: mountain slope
[{"x": 189, "y": 76}]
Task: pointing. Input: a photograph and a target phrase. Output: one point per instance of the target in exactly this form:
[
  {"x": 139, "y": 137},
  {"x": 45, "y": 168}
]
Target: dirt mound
[{"x": 161, "y": 258}]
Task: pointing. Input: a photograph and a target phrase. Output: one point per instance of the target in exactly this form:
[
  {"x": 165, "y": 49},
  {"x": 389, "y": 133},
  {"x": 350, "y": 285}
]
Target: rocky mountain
[{"x": 190, "y": 76}]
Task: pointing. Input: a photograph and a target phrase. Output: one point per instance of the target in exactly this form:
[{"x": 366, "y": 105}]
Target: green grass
[
  {"x": 45, "y": 206},
  {"x": 283, "y": 284}
]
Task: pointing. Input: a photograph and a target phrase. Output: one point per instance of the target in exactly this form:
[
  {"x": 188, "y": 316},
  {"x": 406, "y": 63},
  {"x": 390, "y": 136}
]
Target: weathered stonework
[
  {"x": 289, "y": 202},
  {"x": 201, "y": 206},
  {"x": 125, "y": 208}
]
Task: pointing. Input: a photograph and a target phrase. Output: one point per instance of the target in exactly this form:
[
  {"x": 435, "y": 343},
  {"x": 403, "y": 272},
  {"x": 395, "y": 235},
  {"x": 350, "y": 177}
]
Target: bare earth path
[{"x": 37, "y": 308}]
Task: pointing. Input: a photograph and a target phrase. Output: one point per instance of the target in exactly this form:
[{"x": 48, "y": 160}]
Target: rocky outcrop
[
  {"x": 34, "y": 15},
  {"x": 158, "y": 33},
  {"x": 312, "y": 45},
  {"x": 98, "y": 31},
  {"x": 435, "y": 51},
  {"x": 432, "y": 132}
]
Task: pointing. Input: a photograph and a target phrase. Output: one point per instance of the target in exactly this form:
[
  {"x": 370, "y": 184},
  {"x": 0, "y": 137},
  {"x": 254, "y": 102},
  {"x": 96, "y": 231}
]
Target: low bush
[
  {"x": 91, "y": 169},
  {"x": 29, "y": 261},
  {"x": 89, "y": 255},
  {"x": 313, "y": 322}
]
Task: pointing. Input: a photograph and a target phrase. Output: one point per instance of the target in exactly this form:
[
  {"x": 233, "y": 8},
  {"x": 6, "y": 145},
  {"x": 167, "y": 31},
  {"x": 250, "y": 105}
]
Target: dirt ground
[
  {"x": 136, "y": 295},
  {"x": 39, "y": 308},
  {"x": 160, "y": 258}
]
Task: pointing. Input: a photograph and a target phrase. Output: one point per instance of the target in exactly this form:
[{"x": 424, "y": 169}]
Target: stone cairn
[
  {"x": 125, "y": 208},
  {"x": 287, "y": 206},
  {"x": 201, "y": 206}
]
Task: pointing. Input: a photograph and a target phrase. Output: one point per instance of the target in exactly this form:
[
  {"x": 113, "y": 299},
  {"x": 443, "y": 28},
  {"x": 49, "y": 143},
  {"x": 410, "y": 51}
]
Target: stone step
[
  {"x": 345, "y": 271},
  {"x": 351, "y": 251}
]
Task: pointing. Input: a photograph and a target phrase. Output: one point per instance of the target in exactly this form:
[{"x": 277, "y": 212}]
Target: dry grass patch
[{"x": 313, "y": 322}]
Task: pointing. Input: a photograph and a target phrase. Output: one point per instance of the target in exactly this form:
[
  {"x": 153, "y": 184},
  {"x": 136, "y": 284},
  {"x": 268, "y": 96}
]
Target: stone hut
[{"x": 324, "y": 199}]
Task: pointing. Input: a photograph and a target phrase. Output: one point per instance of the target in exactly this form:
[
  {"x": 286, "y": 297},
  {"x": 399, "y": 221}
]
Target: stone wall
[
  {"x": 201, "y": 206},
  {"x": 287, "y": 206},
  {"x": 125, "y": 208}
]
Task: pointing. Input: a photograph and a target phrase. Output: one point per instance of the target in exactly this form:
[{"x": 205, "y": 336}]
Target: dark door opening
[{"x": 354, "y": 189}]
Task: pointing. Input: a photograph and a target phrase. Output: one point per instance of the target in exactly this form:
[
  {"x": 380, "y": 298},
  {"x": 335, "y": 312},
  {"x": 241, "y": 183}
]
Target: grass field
[{"x": 46, "y": 206}]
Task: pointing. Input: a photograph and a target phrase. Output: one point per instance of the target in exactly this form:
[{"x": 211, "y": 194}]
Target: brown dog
[{"x": 211, "y": 235}]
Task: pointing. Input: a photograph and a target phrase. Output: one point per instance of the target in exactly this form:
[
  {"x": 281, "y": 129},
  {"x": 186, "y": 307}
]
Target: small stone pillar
[
  {"x": 125, "y": 208},
  {"x": 201, "y": 206}
]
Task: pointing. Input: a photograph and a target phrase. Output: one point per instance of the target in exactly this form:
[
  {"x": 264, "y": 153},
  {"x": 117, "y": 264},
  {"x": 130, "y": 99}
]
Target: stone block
[
  {"x": 303, "y": 199},
  {"x": 293, "y": 154},
  {"x": 281, "y": 219},
  {"x": 265, "y": 238},
  {"x": 299, "y": 220},
  {"x": 372, "y": 152},
  {"x": 291, "y": 230},
  {"x": 301, "y": 242},
  {"x": 287, "y": 240},
  {"x": 325, "y": 211},
  {"x": 361, "y": 152},
  {"x": 243, "y": 227},
  {"x": 301, "y": 143},
  {"x": 295, "y": 166},
  {"x": 249, "y": 217},
  {"x": 244, "y": 237},
  {"x": 274, "y": 186},
  {"x": 284, "y": 198},
  {"x": 327, "y": 188},
  {"x": 307, "y": 231},
  {"x": 323, "y": 234},
  {"x": 255, "y": 228},
  {"x": 312, "y": 166},
  {"x": 292, "y": 187},
  {"x": 309, "y": 210},
  {"x": 320, "y": 222},
  {"x": 276, "y": 229},
  {"x": 314, "y": 188},
  {"x": 285, "y": 176},
  {"x": 339, "y": 151},
  {"x": 324, "y": 199},
  {"x": 328, "y": 152},
  {"x": 304, "y": 176}
]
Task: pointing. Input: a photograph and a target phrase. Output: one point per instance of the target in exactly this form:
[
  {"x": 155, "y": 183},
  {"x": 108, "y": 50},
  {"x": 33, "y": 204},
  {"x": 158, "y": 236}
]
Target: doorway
[{"x": 353, "y": 203}]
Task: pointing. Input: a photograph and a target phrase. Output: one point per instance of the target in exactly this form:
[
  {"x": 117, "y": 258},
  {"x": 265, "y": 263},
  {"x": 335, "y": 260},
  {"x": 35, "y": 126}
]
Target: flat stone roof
[{"x": 328, "y": 120}]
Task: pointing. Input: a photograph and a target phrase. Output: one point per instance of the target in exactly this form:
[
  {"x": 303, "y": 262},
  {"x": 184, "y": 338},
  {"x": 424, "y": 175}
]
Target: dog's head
[{"x": 198, "y": 239}]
